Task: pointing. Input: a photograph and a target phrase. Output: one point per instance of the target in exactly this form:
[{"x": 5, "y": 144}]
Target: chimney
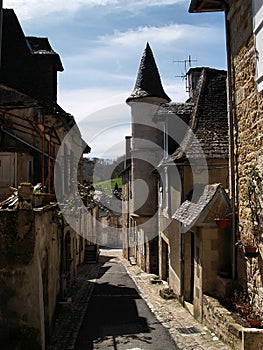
[
  {"x": 128, "y": 151},
  {"x": 193, "y": 76}
]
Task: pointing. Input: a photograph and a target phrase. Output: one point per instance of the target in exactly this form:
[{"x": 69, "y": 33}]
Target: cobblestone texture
[
  {"x": 188, "y": 333},
  {"x": 69, "y": 318}
]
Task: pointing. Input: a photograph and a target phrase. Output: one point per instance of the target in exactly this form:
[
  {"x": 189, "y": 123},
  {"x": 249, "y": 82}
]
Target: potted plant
[
  {"x": 248, "y": 245},
  {"x": 254, "y": 318},
  {"x": 248, "y": 306},
  {"x": 223, "y": 218},
  {"x": 167, "y": 293},
  {"x": 255, "y": 315},
  {"x": 222, "y": 223}
]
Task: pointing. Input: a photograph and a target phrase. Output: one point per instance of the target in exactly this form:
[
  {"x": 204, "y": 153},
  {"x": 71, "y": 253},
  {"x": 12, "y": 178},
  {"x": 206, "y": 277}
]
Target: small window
[{"x": 258, "y": 37}]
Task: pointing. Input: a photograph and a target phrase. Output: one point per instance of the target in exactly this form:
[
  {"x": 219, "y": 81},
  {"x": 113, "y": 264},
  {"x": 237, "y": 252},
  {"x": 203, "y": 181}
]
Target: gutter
[
  {"x": 231, "y": 120},
  {"x": 25, "y": 143}
]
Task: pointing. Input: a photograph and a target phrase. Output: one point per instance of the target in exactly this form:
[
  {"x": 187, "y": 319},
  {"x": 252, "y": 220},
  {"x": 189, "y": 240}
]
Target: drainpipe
[
  {"x": 1, "y": 30},
  {"x": 181, "y": 171},
  {"x": 231, "y": 120}
]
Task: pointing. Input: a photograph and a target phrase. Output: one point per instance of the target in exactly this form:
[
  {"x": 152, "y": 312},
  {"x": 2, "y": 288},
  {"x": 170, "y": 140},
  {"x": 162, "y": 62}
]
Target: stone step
[{"x": 132, "y": 260}]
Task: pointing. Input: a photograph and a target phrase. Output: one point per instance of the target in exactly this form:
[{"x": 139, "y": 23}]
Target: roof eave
[{"x": 197, "y": 6}]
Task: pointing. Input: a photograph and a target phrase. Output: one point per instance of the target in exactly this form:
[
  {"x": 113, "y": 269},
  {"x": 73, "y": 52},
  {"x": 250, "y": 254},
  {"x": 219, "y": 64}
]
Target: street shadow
[
  {"x": 111, "y": 312},
  {"x": 117, "y": 316}
]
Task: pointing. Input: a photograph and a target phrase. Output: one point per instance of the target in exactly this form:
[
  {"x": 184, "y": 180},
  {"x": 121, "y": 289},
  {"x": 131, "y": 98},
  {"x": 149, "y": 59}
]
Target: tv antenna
[{"x": 187, "y": 64}]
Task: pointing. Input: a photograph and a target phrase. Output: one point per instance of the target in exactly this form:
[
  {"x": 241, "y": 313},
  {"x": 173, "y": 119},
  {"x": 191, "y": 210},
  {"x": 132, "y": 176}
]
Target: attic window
[{"x": 258, "y": 37}]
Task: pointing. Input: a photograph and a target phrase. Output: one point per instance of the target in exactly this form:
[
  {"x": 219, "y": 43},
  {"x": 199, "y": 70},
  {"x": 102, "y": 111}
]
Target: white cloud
[
  {"x": 104, "y": 117},
  {"x": 164, "y": 35},
  {"x": 27, "y": 9},
  {"x": 117, "y": 53},
  {"x": 122, "y": 47},
  {"x": 82, "y": 103}
]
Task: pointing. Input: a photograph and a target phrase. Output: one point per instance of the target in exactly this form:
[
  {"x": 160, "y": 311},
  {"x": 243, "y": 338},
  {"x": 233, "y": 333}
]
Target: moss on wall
[
  {"x": 17, "y": 238},
  {"x": 19, "y": 338}
]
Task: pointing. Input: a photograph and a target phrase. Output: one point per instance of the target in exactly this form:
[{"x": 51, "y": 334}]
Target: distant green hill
[{"x": 108, "y": 185}]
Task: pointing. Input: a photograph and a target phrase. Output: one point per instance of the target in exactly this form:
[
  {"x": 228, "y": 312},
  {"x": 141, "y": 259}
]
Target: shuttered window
[{"x": 258, "y": 35}]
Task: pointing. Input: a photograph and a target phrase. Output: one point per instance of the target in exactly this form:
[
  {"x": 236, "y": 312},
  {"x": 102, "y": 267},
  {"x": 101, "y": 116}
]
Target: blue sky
[{"x": 101, "y": 42}]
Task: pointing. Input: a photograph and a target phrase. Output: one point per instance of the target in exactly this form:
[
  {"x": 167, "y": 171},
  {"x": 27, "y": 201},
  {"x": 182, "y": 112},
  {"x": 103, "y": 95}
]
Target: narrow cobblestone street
[{"x": 108, "y": 312}]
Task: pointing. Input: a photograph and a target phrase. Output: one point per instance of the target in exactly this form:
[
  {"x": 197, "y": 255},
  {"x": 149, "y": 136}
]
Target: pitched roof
[
  {"x": 206, "y": 6},
  {"x": 148, "y": 83},
  {"x": 174, "y": 109},
  {"x": 22, "y": 65},
  {"x": 189, "y": 213},
  {"x": 208, "y": 125},
  {"x": 41, "y": 46}
]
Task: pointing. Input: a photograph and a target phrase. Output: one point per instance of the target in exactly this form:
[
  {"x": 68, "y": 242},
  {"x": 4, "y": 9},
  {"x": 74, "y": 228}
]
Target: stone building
[
  {"x": 244, "y": 35},
  {"x": 33, "y": 125},
  {"x": 196, "y": 158},
  {"x": 145, "y": 154},
  {"x": 39, "y": 251},
  {"x": 245, "y": 66}
]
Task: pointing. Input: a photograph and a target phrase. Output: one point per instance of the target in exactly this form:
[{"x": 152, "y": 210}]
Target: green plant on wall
[{"x": 251, "y": 228}]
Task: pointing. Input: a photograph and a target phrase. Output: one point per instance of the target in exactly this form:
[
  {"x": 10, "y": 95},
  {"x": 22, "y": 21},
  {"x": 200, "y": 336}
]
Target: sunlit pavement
[
  {"x": 109, "y": 312},
  {"x": 117, "y": 317}
]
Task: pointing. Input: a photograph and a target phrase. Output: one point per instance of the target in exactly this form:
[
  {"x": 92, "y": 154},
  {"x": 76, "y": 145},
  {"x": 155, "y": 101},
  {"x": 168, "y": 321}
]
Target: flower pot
[
  {"x": 156, "y": 281},
  {"x": 251, "y": 251},
  {"x": 167, "y": 293},
  {"x": 256, "y": 323},
  {"x": 222, "y": 223},
  {"x": 225, "y": 274}
]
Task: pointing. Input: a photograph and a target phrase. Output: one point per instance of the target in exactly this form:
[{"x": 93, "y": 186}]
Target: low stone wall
[{"x": 219, "y": 320}]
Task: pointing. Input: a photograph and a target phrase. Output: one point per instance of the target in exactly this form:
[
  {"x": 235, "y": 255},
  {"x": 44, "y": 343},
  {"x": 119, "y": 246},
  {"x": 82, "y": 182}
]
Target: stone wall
[
  {"x": 219, "y": 320},
  {"x": 247, "y": 108},
  {"x": 38, "y": 260}
]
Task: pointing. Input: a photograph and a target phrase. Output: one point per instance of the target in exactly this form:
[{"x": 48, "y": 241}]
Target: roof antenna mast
[{"x": 187, "y": 64}]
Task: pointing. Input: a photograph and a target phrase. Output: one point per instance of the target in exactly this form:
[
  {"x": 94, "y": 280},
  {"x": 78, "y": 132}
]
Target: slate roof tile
[{"x": 148, "y": 83}]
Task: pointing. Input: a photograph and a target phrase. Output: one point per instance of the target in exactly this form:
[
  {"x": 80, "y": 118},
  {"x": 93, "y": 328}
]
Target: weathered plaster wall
[
  {"x": 48, "y": 249},
  {"x": 171, "y": 237},
  {"x": 212, "y": 256},
  {"x": 34, "y": 270},
  {"x": 109, "y": 231},
  {"x": 21, "y": 283}
]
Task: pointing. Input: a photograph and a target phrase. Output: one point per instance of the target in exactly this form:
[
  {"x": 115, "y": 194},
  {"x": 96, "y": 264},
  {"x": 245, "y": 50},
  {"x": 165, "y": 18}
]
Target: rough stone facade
[
  {"x": 243, "y": 25},
  {"x": 247, "y": 105}
]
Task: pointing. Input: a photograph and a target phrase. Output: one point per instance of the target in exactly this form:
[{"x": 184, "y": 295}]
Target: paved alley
[
  {"x": 118, "y": 318},
  {"x": 109, "y": 312}
]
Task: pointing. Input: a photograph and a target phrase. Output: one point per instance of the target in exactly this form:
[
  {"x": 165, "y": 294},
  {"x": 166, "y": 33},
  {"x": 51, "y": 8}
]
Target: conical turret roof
[{"x": 148, "y": 83}]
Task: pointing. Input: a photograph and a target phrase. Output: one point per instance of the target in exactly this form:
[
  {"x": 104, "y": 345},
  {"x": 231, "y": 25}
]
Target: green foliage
[
  {"x": 99, "y": 170},
  {"x": 108, "y": 185},
  {"x": 253, "y": 201}
]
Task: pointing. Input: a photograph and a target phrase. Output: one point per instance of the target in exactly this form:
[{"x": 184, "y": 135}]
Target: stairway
[{"x": 91, "y": 254}]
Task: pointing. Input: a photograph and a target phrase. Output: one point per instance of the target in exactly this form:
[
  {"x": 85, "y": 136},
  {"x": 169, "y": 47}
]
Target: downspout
[
  {"x": 1, "y": 31},
  {"x": 62, "y": 249},
  {"x": 182, "y": 241},
  {"x": 231, "y": 120}
]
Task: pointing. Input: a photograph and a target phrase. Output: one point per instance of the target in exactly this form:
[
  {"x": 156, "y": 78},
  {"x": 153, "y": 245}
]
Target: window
[{"x": 258, "y": 37}]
